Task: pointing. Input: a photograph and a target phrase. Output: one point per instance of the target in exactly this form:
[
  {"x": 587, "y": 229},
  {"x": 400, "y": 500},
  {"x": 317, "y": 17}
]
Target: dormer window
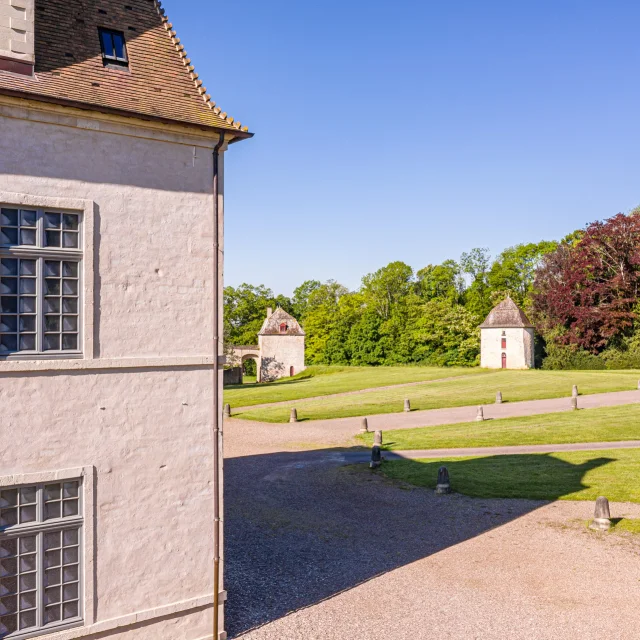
[
  {"x": 283, "y": 327},
  {"x": 114, "y": 51}
]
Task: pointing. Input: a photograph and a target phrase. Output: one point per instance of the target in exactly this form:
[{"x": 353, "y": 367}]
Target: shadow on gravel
[{"x": 302, "y": 527}]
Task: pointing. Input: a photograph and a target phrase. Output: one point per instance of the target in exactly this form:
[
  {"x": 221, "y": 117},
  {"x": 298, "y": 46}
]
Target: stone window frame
[
  {"x": 87, "y": 574},
  {"x": 86, "y": 209}
]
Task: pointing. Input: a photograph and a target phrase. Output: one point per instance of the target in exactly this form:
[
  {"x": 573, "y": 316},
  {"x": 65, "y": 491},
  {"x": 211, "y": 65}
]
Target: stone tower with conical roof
[
  {"x": 281, "y": 343},
  {"x": 506, "y": 338}
]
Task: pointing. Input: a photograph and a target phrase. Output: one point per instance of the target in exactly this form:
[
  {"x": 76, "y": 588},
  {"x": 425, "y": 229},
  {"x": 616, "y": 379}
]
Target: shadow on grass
[
  {"x": 303, "y": 527},
  {"x": 525, "y": 476},
  {"x": 257, "y": 385}
]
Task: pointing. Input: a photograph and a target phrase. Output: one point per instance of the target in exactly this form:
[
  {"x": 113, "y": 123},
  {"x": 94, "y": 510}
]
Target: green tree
[
  {"x": 387, "y": 286},
  {"x": 441, "y": 281}
]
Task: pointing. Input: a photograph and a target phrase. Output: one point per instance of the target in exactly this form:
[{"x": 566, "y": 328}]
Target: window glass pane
[
  {"x": 69, "y": 610},
  {"x": 52, "y": 614},
  {"x": 28, "y": 286},
  {"x": 27, "y": 267},
  {"x": 51, "y": 238},
  {"x": 9, "y": 267},
  {"x": 8, "y": 324},
  {"x": 52, "y": 577},
  {"x": 52, "y": 595},
  {"x": 70, "y": 287},
  {"x": 52, "y": 220},
  {"x": 28, "y": 342},
  {"x": 70, "y": 323},
  {"x": 70, "y": 537},
  {"x": 9, "y": 217},
  {"x": 52, "y": 305},
  {"x": 8, "y": 304},
  {"x": 69, "y": 342},
  {"x": 53, "y": 492},
  {"x": 51, "y": 287},
  {"x": 52, "y": 509},
  {"x": 52, "y": 323},
  {"x": 9, "y": 285},
  {"x": 69, "y": 305},
  {"x": 28, "y": 236},
  {"x": 27, "y": 324},
  {"x": 27, "y": 620},
  {"x": 70, "y": 573},
  {"x": 105, "y": 40},
  {"x": 27, "y": 601},
  {"x": 8, "y": 624},
  {"x": 28, "y": 581},
  {"x": 70, "y": 222},
  {"x": 27, "y": 218},
  {"x": 8, "y": 498},
  {"x": 27, "y": 514},
  {"x": 52, "y": 268},
  {"x": 70, "y": 240},
  {"x": 70, "y": 269},
  {"x": 27, "y": 304},
  {"x": 118, "y": 45},
  {"x": 8, "y": 344},
  {"x": 8, "y": 236}
]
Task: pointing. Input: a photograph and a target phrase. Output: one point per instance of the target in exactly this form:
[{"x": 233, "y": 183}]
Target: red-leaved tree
[{"x": 588, "y": 291}]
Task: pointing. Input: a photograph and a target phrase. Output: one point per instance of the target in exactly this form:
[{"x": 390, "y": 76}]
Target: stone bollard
[
  {"x": 638, "y": 385},
  {"x": 574, "y": 403},
  {"x": 364, "y": 428},
  {"x": 377, "y": 439},
  {"x": 574, "y": 391},
  {"x": 294, "y": 415},
  {"x": 227, "y": 410},
  {"x": 480, "y": 415},
  {"x": 601, "y": 515},
  {"x": 407, "y": 405},
  {"x": 443, "y": 485},
  {"x": 499, "y": 397},
  {"x": 376, "y": 457}
]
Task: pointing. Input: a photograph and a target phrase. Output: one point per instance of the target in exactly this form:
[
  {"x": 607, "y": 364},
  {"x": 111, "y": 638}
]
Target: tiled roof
[
  {"x": 271, "y": 326},
  {"x": 162, "y": 83},
  {"x": 506, "y": 315}
]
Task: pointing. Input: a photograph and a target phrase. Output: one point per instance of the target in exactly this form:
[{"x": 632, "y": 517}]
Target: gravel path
[
  {"x": 309, "y": 434},
  {"x": 349, "y": 554}
]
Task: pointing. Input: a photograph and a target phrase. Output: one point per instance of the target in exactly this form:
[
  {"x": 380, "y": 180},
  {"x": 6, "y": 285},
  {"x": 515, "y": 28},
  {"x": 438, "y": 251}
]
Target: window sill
[{"x": 79, "y": 364}]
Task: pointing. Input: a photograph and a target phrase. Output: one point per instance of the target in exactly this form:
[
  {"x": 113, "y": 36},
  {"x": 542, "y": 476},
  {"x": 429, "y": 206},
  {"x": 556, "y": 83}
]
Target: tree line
[{"x": 580, "y": 292}]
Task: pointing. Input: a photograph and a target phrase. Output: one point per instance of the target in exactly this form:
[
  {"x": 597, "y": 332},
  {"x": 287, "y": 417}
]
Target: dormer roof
[
  {"x": 160, "y": 82},
  {"x": 272, "y": 325},
  {"x": 506, "y": 315}
]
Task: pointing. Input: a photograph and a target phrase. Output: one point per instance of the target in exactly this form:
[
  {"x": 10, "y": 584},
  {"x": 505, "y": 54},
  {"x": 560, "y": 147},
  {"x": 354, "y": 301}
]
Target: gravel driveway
[{"x": 356, "y": 556}]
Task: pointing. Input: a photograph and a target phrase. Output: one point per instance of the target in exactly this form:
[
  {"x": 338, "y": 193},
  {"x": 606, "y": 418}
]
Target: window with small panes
[
  {"x": 40, "y": 558},
  {"x": 40, "y": 274}
]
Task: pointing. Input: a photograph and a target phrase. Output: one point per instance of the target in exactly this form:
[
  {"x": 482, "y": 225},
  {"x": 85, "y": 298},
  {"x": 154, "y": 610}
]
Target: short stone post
[
  {"x": 499, "y": 397},
  {"x": 443, "y": 485},
  {"x": 376, "y": 457},
  {"x": 227, "y": 410},
  {"x": 638, "y": 385},
  {"x": 574, "y": 391},
  {"x": 364, "y": 427},
  {"x": 601, "y": 515},
  {"x": 574, "y": 403},
  {"x": 294, "y": 415},
  {"x": 480, "y": 415},
  {"x": 407, "y": 405},
  {"x": 377, "y": 439}
]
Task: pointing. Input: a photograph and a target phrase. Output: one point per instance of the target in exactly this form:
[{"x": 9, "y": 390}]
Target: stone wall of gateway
[
  {"x": 278, "y": 354},
  {"x": 519, "y": 349},
  {"x": 134, "y": 411}
]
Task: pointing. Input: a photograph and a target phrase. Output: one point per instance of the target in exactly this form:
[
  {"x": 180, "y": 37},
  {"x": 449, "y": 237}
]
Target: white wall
[
  {"x": 519, "y": 348},
  {"x": 17, "y": 30},
  {"x": 146, "y": 429},
  {"x": 278, "y": 353}
]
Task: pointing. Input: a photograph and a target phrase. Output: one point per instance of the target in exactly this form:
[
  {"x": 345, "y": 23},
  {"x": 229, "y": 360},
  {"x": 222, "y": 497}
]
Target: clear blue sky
[{"x": 415, "y": 130}]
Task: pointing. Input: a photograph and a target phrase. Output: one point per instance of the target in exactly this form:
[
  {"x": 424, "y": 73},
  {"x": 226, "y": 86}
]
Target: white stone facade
[
  {"x": 280, "y": 356},
  {"x": 516, "y": 354},
  {"x": 17, "y": 30},
  {"x": 133, "y": 414}
]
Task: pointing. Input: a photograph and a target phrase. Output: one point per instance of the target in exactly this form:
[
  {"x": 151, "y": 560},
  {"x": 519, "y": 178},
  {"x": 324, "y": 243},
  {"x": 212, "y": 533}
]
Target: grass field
[
  {"x": 604, "y": 424},
  {"x": 469, "y": 390},
  {"x": 577, "y": 475},
  {"x": 321, "y": 381}
]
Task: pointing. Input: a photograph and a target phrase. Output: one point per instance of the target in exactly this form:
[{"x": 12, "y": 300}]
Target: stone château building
[
  {"x": 506, "y": 338},
  {"x": 111, "y": 219}
]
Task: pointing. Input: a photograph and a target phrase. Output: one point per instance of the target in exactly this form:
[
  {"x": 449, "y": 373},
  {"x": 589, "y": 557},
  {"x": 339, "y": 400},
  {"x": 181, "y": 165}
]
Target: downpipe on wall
[{"x": 216, "y": 391}]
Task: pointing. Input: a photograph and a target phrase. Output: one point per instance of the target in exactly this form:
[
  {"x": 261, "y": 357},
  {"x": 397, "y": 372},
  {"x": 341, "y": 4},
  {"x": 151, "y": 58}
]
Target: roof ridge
[{"x": 202, "y": 90}]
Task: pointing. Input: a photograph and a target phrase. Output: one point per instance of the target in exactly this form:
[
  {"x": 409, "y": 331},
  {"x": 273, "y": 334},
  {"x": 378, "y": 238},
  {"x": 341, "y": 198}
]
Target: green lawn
[
  {"x": 321, "y": 381},
  {"x": 577, "y": 475},
  {"x": 604, "y": 424},
  {"x": 469, "y": 390}
]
